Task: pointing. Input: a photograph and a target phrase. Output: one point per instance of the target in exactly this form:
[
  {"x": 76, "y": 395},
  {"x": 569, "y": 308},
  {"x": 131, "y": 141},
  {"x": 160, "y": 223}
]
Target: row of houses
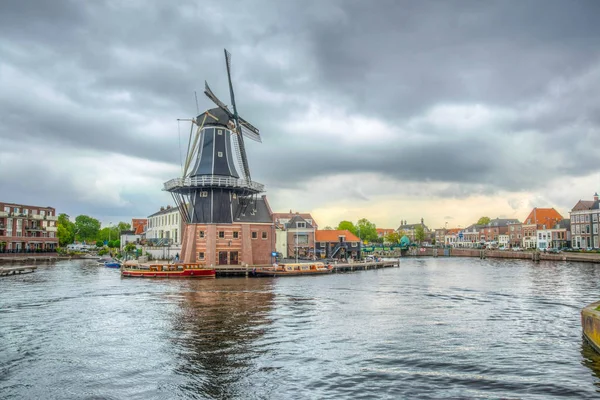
[
  {"x": 543, "y": 228},
  {"x": 295, "y": 234}
]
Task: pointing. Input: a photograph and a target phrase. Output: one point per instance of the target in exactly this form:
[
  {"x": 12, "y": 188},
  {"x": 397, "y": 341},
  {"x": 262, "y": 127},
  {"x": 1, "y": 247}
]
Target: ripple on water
[{"x": 434, "y": 328}]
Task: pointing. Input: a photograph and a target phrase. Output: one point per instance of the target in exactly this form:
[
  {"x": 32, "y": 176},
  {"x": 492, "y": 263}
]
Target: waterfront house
[
  {"x": 584, "y": 218},
  {"x": 164, "y": 227},
  {"x": 340, "y": 244},
  {"x": 515, "y": 234},
  {"x": 382, "y": 233},
  {"x": 299, "y": 236},
  {"x": 26, "y": 228},
  {"x": 538, "y": 219}
]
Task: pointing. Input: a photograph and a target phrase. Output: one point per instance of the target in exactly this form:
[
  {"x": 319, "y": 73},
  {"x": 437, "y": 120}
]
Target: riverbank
[
  {"x": 32, "y": 257},
  {"x": 506, "y": 254},
  {"x": 590, "y": 322}
]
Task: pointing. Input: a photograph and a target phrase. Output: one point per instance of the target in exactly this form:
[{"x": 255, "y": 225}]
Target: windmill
[{"x": 211, "y": 190}]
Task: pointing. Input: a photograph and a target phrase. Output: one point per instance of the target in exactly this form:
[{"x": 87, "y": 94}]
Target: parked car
[
  {"x": 516, "y": 249},
  {"x": 555, "y": 251}
]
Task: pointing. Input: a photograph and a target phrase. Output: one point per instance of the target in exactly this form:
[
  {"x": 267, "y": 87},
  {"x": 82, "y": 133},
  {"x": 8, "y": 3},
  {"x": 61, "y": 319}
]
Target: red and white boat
[{"x": 166, "y": 270}]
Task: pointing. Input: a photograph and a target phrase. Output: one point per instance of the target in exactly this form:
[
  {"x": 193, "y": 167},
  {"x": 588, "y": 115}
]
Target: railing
[
  {"x": 51, "y": 229},
  {"x": 51, "y": 217},
  {"x": 37, "y": 216},
  {"x": 3, "y": 214},
  {"x": 213, "y": 181}
]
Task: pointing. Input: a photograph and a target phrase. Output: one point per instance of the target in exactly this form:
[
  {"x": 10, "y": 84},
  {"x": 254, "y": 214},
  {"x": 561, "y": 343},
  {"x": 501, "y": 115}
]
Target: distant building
[
  {"x": 409, "y": 230},
  {"x": 139, "y": 225},
  {"x": 337, "y": 244},
  {"x": 584, "y": 218},
  {"x": 539, "y": 219},
  {"x": 299, "y": 231},
  {"x": 383, "y": 232},
  {"x": 164, "y": 227},
  {"x": 27, "y": 228}
]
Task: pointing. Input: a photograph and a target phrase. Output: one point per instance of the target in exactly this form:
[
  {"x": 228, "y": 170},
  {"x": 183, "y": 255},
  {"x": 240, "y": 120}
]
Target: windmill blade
[
  {"x": 209, "y": 93},
  {"x": 250, "y": 134},
  {"x": 236, "y": 118}
]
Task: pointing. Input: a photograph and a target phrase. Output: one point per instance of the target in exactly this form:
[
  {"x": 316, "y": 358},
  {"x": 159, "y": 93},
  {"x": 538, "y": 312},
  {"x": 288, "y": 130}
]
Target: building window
[
  {"x": 264, "y": 235},
  {"x": 254, "y": 235},
  {"x": 201, "y": 255},
  {"x": 595, "y": 217},
  {"x": 201, "y": 234},
  {"x": 219, "y": 131},
  {"x": 203, "y": 194},
  {"x": 236, "y": 234},
  {"x": 219, "y": 154},
  {"x": 221, "y": 234},
  {"x": 300, "y": 224}
]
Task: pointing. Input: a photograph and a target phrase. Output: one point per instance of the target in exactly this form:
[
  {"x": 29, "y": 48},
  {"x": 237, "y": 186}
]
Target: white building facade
[{"x": 165, "y": 226}]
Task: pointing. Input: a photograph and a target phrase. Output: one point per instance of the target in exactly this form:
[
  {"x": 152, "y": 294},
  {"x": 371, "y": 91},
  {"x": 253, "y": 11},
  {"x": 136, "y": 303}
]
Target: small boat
[
  {"x": 90, "y": 256},
  {"x": 164, "y": 270},
  {"x": 293, "y": 270},
  {"x": 112, "y": 264}
]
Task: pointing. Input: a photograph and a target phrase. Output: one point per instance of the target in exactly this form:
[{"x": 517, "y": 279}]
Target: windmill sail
[{"x": 238, "y": 126}]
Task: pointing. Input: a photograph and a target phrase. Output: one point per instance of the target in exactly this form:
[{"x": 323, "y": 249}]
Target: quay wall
[
  {"x": 506, "y": 254},
  {"x": 590, "y": 322}
]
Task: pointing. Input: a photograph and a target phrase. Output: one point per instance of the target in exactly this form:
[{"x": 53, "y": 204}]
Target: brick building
[
  {"x": 249, "y": 240},
  {"x": 299, "y": 233},
  {"x": 27, "y": 228}
]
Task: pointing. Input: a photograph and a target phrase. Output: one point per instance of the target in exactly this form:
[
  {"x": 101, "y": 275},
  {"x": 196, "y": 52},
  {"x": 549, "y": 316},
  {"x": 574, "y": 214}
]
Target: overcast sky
[{"x": 387, "y": 110}]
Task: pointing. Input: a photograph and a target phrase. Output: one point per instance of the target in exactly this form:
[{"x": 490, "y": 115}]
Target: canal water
[{"x": 433, "y": 328}]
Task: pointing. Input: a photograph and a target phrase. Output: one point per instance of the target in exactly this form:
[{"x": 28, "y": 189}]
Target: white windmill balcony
[{"x": 213, "y": 181}]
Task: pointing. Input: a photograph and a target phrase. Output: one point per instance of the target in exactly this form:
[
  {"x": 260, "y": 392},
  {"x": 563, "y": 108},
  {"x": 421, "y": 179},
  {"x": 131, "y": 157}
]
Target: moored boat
[
  {"x": 317, "y": 268},
  {"x": 165, "y": 270}
]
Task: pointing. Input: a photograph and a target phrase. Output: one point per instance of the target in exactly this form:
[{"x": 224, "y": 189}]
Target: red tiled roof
[
  {"x": 334, "y": 236},
  {"x": 543, "y": 216},
  {"x": 384, "y": 231},
  {"x": 139, "y": 225}
]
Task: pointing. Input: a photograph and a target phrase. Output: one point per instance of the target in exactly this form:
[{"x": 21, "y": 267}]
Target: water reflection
[{"x": 216, "y": 331}]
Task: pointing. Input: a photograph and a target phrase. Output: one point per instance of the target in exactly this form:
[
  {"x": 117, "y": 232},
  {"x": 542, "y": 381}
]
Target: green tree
[
  {"x": 86, "y": 228},
  {"x": 366, "y": 230},
  {"x": 129, "y": 247},
  {"x": 65, "y": 230},
  {"x": 346, "y": 225},
  {"x": 483, "y": 221},
  {"x": 328, "y": 228},
  {"x": 419, "y": 233},
  {"x": 392, "y": 237},
  {"x": 123, "y": 226}
]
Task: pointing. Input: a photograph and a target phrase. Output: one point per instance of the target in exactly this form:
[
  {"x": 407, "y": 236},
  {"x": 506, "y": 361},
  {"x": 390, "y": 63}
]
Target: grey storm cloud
[{"x": 113, "y": 78}]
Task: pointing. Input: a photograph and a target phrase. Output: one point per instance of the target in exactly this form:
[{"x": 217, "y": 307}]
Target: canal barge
[
  {"x": 293, "y": 270},
  {"x": 164, "y": 270}
]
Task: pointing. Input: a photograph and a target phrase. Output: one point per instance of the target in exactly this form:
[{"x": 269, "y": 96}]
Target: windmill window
[
  {"x": 204, "y": 194},
  {"x": 221, "y": 234},
  {"x": 201, "y": 234},
  {"x": 254, "y": 235},
  {"x": 220, "y": 154},
  {"x": 219, "y": 131},
  {"x": 236, "y": 234},
  {"x": 201, "y": 255},
  {"x": 235, "y": 196}
]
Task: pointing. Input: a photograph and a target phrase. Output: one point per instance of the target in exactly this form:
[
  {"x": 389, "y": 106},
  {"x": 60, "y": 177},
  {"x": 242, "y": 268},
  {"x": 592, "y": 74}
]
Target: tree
[
  {"x": 86, "y": 228},
  {"x": 65, "y": 230},
  {"x": 366, "y": 230},
  {"x": 123, "y": 226},
  {"x": 392, "y": 237},
  {"x": 129, "y": 247},
  {"x": 328, "y": 228},
  {"x": 346, "y": 225},
  {"x": 483, "y": 221},
  {"x": 419, "y": 233}
]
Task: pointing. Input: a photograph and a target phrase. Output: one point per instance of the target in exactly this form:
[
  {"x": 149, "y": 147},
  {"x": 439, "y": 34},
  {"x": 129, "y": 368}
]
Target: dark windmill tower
[{"x": 226, "y": 222}]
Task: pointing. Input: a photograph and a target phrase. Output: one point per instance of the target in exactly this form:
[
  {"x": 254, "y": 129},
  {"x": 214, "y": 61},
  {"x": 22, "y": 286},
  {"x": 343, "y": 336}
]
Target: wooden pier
[
  {"x": 17, "y": 270},
  {"x": 246, "y": 270}
]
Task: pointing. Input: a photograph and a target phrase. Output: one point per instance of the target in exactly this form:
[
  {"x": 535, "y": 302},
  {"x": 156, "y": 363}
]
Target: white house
[{"x": 165, "y": 224}]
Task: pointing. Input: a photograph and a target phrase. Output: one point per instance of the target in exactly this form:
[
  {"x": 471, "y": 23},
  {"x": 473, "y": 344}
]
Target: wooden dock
[
  {"x": 246, "y": 270},
  {"x": 17, "y": 270}
]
